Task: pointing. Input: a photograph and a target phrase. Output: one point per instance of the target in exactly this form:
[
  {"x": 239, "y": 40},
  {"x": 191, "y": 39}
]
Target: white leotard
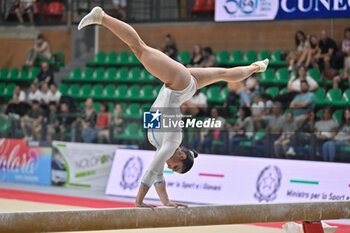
[{"x": 166, "y": 142}]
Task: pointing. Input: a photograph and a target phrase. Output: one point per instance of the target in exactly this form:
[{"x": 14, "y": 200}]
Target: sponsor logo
[
  {"x": 94, "y": 161},
  {"x": 131, "y": 173},
  {"x": 151, "y": 120},
  {"x": 268, "y": 183},
  {"x": 246, "y": 6}
]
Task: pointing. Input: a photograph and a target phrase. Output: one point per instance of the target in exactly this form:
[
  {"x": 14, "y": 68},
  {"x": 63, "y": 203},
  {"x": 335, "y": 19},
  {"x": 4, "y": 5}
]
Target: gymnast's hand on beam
[
  {"x": 144, "y": 205},
  {"x": 175, "y": 204}
]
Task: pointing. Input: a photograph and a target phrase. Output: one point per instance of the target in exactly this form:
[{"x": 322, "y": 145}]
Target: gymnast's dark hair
[{"x": 188, "y": 162}]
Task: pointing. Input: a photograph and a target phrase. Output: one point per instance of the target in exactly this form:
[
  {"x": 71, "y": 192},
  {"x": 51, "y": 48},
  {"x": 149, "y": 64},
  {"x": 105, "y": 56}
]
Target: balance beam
[{"x": 130, "y": 218}]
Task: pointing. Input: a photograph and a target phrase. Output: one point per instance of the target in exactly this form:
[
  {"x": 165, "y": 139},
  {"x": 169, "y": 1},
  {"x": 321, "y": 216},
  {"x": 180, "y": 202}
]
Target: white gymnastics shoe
[
  {"x": 262, "y": 65},
  {"x": 94, "y": 17}
]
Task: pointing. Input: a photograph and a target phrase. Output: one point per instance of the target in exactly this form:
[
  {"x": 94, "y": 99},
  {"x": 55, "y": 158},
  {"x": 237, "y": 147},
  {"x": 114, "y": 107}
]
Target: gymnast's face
[{"x": 175, "y": 162}]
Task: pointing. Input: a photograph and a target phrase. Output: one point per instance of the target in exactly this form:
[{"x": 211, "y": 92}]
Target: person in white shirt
[
  {"x": 15, "y": 104},
  {"x": 54, "y": 94},
  {"x": 196, "y": 105},
  {"x": 34, "y": 93},
  {"x": 45, "y": 94}
]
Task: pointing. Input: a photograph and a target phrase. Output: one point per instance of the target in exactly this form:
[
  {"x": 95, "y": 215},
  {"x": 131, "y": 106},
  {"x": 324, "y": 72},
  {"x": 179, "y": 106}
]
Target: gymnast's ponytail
[{"x": 188, "y": 162}]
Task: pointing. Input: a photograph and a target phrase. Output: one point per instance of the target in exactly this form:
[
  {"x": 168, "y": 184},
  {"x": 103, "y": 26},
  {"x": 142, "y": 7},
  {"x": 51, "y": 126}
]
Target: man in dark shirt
[
  {"x": 170, "y": 47},
  {"x": 31, "y": 121},
  {"x": 328, "y": 49},
  {"x": 209, "y": 60},
  {"x": 45, "y": 76},
  {"x": 65, "y": 119}
]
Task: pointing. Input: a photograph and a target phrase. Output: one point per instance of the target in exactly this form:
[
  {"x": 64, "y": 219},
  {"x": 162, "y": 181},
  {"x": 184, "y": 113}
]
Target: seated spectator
[
  {"x": 31, "y": 121},
  {"x": 257, "y": 106},
  {"x": 15, "y": 105},
  {"x": 274, "y": 127},
  {"x": 65, "y": 119},
  {"x": 328, "y": 50},
  {"x": 206, "y": 136},
  {"x": 196, "y": 105},
  {"x": 325, "y": 129},
  {"x": 303, "y": 102},
  {"x": 51, "y": 124},
  {"x": 120, "y": 8},
  {"x": 331, "y": 148},
  {"x": 301, "y": 44},
  {"x": 209, "y": 60},
  {"x": 115, "y": 124},
  {"x": 288, "y": 130},
  {"x": 86, "y": 123},
  {"x": 25, "y": 6},
  {"x": 251, "y": 87},
  {"x": 54, "y": 94},
  {"x": 46, "y": 75},
  {"x": 102, "y": 119},
  {"x": 170, "y": 48},
  {"x": 234, "y": 88},
  {"x": 34, "y": 93},
  {"x": 345, "y": 76},
  {"x": 197, "y": 56},
  {"x": 242, "y": 130},
  {"x": 342, "y": 54},
  {"x": 265, "y": 111},
  {"x": 294, "y": 87},
  {"x": 40, "y": 51},
  {"x": 312, "y": 54},
  {"x": 45, "y": 96}
]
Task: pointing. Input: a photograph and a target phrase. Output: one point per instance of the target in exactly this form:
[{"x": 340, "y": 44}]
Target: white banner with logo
[
  {"x": 82, "y": 164},
  {"x": 217, "y": 179}
]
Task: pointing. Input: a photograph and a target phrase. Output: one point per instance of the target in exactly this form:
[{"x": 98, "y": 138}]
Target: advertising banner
[
  {"x": 82, "y": 164},
  {"x": 24, "y": 164},
  {"x": 246, "y": 10},
  {"x": 217, "y": 179}
]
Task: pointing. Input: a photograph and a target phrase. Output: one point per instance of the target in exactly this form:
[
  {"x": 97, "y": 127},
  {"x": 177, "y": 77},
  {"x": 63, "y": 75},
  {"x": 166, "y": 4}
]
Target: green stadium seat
[
  {"x": 213, "y": 94},
  {"x": 100, "y": 58},
  {"x": 236, "y": 57},
  {"x": 12, "y": 75},
  {"x": 98, "y": 75},
  {"x": 333, "y": 97},
  {"x": 123, "y": 58},
  {"x": 122, "y": 74},
  {"x": 60, "y": 62},
  {"x": 74, "y": 90},
  {"x": 320, "y": 94},
  {"x": 3, "y": 73},
  {"x": 96, "y": 91},
  {"x": 96, "y": 106},
  {"x": 34, "y": 72},
  {"x": 249, "y": 57},
  {"x": 133, "y": 111},
  {"x": 133, "y": 60},
  {"x": 131, "y": 132},
  {"x": 267, "y": 77},
  {"x": 145, "y": 107},
  {"x": 8, "y": 93},
  {"x": 281, "y": 77},
  {"x": 223, "y": 58},
  {"x": 257, "y": 136},
  {"x": 276, "y": 59},
  {"x": 75, "y": 75},
  {"x": 146, "y": 93},
  {"x": 223, "y": 95},
  {"x": 23, "y": 75},
  {"x": 338, "y": 115},
  {"x": 84, "y": 91},
  {"x": 315, "y": 74},
  {"x": 63, "y": 88},
  {"x": 124, "y": 106},
  {"x": 86, "y": 75},
  {"x": 108, "y": 92},
  {"x": 283, "y": 91},
  {"x": 111, "y": 106},
  {"x": 156, "y": 90},
  {"x": 184, "y": 57},
  {"x": 110, "y": 75},
  {"x": 120, "y": 92},
  {"x": 263, "y": 55},
  {"x": 133, "y": 75},
  {"x": 2, "y": 89},
  {"x": 111, "y": 58},
  {"x": 133, "y": 92},
  {"x": 345, "y": 101},
  {"x": 273, "y": 91}
]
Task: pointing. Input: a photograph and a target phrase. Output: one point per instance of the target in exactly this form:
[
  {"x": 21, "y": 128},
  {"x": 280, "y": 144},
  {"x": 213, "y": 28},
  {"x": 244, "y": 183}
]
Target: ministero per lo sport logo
[{"x": 159, "y": 120}]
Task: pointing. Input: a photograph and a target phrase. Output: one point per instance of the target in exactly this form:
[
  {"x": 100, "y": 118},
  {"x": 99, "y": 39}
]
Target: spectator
[
  {"x": 328, "y": 50},
  {"x": 196, "y": 105},
  {"x": 120, "y": 8},
  {"x": 102, "y": 119},
  {"x": 242, "y": 130},
  {"x": 34, "y": 93},
  {"x": 16, "y": 104},
  {"x": 311, "y": 54},
  {"x": 54, "y": 94},
  {"x": 325, "y": 129},
  {"x": 265, "y": 113},
  {"x": 45, "y": 95},
  {"x": 288, "y": 130},
  {"x": 234, "y": 88},
  {"x": 40, "y": 51},
  {"x": 346, "y": 54},
  {"x": 87, "y": 122},
  {"x": 209, "y": 60},
  {"x": 31, "y": 121},
  {"x": 301, "y": 44},
  {"x": 46, "y": 75},
  {"x": 274, "y": 126},
  {"x": 331, "y": 148},
  {"x": 65, "y": 119},
  {"x": 251, "y": 87},
  {"x": 25, "y": 6},
  {"x": 51, "y": 124},
  {"x": 206, "y": 136},
  {"x": 257, "y": 106},
  {"x": 303, "y": 102},
  {"x": 170, "y": 48},
  {"x": 294, "y": 85},
  {"x": 115, "y": 123},
  {"x": 197, "y": 56}
]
